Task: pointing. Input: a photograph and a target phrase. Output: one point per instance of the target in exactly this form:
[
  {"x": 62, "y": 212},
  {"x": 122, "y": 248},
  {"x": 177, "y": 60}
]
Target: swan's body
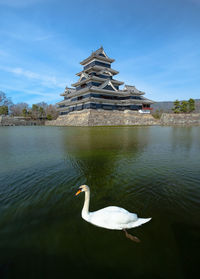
[{"x": 111, "y": 217}]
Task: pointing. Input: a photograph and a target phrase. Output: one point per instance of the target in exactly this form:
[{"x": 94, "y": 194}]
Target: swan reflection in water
[{"x": 111, "y": 217}]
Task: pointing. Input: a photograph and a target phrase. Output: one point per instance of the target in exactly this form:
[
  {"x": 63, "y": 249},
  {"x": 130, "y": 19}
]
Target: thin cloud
[
  {"x": 31, "y": 95},
  {"x": 35, "y": 36},
  {"x": 43, "y": 38},
  {"x": 50, "y": 81}
]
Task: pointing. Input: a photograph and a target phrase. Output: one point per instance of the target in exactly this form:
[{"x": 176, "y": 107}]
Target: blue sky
[{"x": 156, "y": 44}]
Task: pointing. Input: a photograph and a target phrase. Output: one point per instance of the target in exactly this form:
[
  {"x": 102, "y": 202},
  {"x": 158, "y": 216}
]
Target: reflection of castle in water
[{"x": 97, "y": 151}]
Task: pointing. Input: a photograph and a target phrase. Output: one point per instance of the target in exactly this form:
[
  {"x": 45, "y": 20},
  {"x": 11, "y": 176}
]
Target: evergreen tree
[
  {"x": 184, "y": 106},
  {"x": 3, "y": 110},
  {"x": 176, "y": 108},
  {"x": 49, "y": 117},
  {"x": 24, "y": 112},
  {"x": 5, "y": 103},
  {"x": 191, "y": 104},
  {"x": 41, "y": 112},
  {"x": 35, "y": 111}
]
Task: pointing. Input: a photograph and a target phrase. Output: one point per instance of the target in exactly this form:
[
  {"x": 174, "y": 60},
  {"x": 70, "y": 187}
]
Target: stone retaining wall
[
  {"x": 19, "y": 121},
  {"x": 180, "y": 119},
  {"x": 92, "y": 117}
]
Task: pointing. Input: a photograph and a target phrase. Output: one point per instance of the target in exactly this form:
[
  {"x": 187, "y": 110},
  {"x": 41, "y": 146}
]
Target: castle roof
[
  {"x": 88, "y": 78},
  {"x": 132, "y": 89},
  {"x": 100, "y": 54},
  {"x": 99, "y": 68},
  {"x": 68, "y": 90}
]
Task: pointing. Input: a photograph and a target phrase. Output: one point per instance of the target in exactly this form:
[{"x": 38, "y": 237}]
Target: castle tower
[{"x": 97, "y": 88}]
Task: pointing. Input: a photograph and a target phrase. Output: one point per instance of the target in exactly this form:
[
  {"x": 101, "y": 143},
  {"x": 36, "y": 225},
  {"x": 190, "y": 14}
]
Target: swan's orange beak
[{"x": 78, "y": 192}]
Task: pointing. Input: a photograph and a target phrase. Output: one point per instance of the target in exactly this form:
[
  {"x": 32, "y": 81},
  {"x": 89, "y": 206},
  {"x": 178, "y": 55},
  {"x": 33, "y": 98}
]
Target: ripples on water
[{"x": 153, "y": 171}]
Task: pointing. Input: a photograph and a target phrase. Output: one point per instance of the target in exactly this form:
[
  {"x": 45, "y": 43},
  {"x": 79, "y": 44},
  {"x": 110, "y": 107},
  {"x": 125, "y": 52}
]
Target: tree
[
  {"x": 49, "y": 117},
  {"x": 17, "y": 109},
  {"x": 25, "y": 112},
  {"x": 184, "y": 106},
  {"x": 41, "y": 112},
  {"x": 157, "y": 114},
  {"x": 191, "y": 105},
  {"x": 52, "y": 111},
  {"x": 42, "y": 105},
  {"x": 3, "y": 110},
  {"x": 176, "y": 108},
  {"x": 35, "y": 111},
  {"x": 38, "y": 112},
  {"x": 4, "y": 101}
]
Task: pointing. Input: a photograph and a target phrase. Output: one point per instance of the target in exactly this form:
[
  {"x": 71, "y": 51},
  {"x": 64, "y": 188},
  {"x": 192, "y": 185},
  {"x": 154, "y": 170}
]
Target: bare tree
[
  {"x": 42, "y": 105},
  {"x": 51, "y": 112},
  {"x": 4, "y": 100},
  {"x": 44, "y": 111},
  {"x": 18, "y": 109},
  {"x": 37, "y": 111}
]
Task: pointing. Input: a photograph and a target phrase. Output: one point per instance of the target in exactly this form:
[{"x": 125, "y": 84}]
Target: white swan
[{"x": 111, "y": 217}]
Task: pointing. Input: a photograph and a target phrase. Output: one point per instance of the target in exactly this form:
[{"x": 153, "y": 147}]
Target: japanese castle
[{"x": 98, "y": 89}]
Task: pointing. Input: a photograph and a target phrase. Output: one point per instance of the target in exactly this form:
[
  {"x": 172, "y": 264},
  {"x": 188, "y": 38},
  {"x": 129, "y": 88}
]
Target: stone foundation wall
[
  {"x": 92, "y": 117},
  {"x": 180, "y": 119},
  {"x": 19, "y": 121}
]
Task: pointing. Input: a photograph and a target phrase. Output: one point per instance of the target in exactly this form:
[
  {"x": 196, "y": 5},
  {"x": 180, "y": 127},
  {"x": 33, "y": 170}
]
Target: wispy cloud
[
  {"x": 30, "y": 94},
  {"x": 50, "y": 81},
  {"x": 40, "y": 50},
  {"x": 42, "y": 38},
  {"x": 36, "y": 35}
]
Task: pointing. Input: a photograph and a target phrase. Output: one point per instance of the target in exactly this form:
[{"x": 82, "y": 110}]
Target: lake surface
[{"x": 152, "y": 171}]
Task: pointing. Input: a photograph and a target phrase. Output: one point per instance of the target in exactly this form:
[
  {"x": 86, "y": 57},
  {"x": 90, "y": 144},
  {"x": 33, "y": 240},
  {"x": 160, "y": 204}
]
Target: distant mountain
[{"x": 167, "y": 106}]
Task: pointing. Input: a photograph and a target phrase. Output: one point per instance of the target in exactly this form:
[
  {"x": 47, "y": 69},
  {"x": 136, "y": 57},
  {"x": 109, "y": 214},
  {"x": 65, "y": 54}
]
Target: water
[{"x": 153, "y": 171}]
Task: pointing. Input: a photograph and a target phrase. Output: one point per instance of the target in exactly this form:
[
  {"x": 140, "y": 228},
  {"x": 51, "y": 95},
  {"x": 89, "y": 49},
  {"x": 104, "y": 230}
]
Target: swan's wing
[{"x": 112, "y": 217}]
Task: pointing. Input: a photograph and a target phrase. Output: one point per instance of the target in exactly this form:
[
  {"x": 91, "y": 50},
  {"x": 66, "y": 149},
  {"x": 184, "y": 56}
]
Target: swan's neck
[{"x": 85, "y": 210}]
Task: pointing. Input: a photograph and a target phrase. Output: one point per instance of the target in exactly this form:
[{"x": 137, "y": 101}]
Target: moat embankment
[
  {"x": 122, "y": 118},
  {"x": 170, "y": 119},
  {"x": 19, "y": 121}
]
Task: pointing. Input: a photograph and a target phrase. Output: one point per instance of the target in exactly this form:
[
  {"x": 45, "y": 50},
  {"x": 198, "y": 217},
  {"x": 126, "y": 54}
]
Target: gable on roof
[
  {"x": 101, "y": 52},
  {"x": 108, "y": 85},
  {"x": 83, "y": 76},
  {"x": 68, "y": 90},
  {"x": 131, "y": 88},
  {"x": 105, "y": 72}
]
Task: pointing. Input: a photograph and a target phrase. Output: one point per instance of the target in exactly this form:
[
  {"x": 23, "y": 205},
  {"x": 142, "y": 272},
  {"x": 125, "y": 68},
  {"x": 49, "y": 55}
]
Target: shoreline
[
  {"x": 96, "y": 118},
  {"x": 92, "y": 118}
]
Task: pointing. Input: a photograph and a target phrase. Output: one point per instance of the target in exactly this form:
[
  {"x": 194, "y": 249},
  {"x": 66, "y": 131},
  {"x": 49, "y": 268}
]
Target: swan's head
[{"x": 82, "y": 188}]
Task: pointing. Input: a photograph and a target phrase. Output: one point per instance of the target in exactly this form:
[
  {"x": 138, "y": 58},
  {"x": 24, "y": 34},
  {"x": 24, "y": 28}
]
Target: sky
[{"x": 155, "y": 44}]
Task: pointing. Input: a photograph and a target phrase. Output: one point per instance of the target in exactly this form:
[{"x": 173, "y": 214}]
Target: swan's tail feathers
[{"x": 140, "y": 222}]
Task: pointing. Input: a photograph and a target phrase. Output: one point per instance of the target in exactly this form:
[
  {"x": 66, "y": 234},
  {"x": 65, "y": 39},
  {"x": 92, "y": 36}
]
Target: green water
[{"x": 152, "y": 171}]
